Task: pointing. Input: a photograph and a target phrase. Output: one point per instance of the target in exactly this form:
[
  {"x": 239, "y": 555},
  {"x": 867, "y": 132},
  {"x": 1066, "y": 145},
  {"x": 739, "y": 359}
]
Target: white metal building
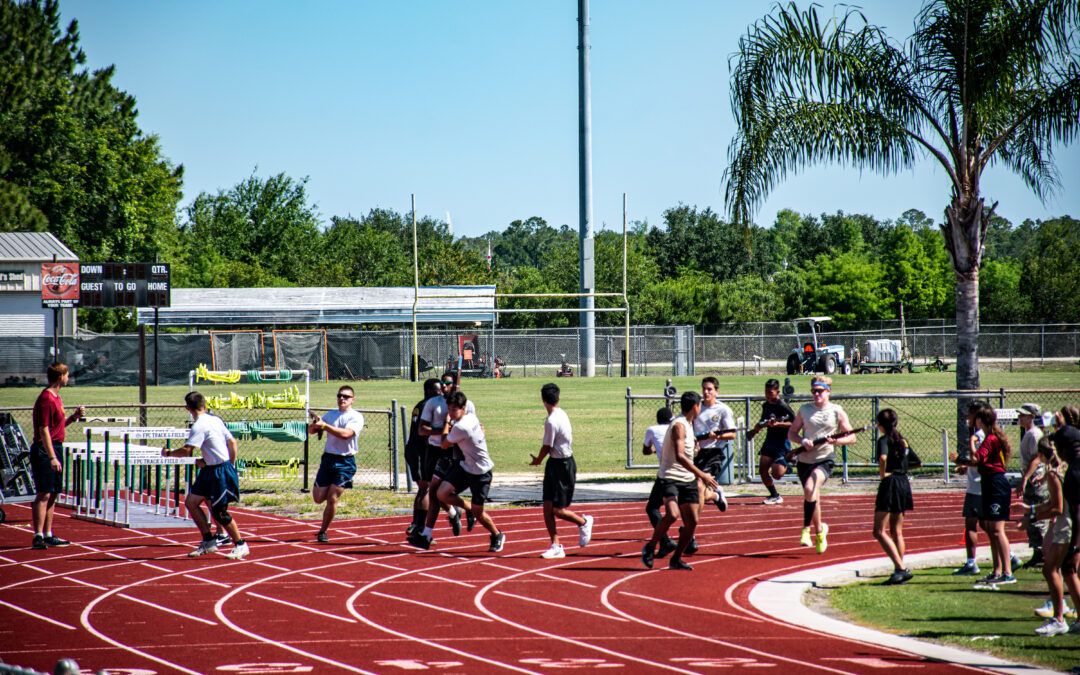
[{"x": 21, "y": 257}]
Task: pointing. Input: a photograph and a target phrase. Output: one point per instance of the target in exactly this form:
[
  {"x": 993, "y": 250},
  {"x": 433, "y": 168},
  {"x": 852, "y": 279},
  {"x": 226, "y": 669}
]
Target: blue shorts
[
  {"x": 218, "y": 483},
  {"x": 777, "y": 453},
  {"x": 336, "y": 470},
  {"x": 47, "y": 481}
]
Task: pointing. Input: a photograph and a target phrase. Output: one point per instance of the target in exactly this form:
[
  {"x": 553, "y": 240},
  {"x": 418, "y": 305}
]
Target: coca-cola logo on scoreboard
[{"x": 60, "y": 284}]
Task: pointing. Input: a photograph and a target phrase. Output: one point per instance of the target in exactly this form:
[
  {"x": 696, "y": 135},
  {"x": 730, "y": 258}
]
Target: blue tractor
[{"x": 813, "y": 356}]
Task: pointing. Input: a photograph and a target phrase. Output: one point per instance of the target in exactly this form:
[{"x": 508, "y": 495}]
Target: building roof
[
  {"x": 33, "y": 247},
  {"x": 239, "y": 307}
]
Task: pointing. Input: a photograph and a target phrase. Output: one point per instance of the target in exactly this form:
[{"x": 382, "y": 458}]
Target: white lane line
[
  {"x": 389, "y": 567},
  {"x": 156, "y": 567},
  {"x": 569, "y": 581},
  {"x": 428, "y": 605},
  {"x": 273, "y": 567},
  {"x": 165, "y": 609},
  {"x": 36, "y": 615},
  {"x": 741, "y": 617},
  {"x": 501, "y": 567},
  {"x": 377, "y": 541},
  {"x": 7, "y": 560},
  {"x": 558, "y": 606},
  {"x": 85, "y": 583},
  {"x": 207, "y": 581},
  {"x": 319, "y": 612},
  {"x": 452, "y": 581},
  {"x": 329, "y": 581},
  {"x": 37, "y": 569}
]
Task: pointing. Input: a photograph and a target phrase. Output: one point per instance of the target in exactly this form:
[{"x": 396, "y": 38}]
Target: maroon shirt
[
  {"x": 49, "y": 411},
  {"x": 990, "y": 456}
]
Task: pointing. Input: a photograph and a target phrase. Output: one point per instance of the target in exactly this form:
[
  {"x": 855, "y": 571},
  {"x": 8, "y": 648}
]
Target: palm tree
[{"x": 979, "y": 82}]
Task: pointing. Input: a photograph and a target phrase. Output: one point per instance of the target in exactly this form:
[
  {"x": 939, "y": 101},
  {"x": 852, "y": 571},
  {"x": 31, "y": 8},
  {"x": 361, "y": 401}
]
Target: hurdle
[{"x": 144, "y": 484}]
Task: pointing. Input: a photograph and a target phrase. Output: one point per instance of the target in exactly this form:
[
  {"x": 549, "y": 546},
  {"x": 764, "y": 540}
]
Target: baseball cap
[{"x": 1032, "y": 409}]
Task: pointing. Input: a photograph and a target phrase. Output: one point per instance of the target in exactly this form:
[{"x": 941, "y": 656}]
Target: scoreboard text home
[{"x": 124, "y": 285}]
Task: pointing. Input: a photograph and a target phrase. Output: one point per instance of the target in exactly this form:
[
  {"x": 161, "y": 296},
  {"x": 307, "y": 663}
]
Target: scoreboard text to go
[{"x": 124, "y": 285}]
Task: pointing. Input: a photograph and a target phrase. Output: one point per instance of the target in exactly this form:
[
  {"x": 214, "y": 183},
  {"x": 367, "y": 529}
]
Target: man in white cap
[{"x": 1032, "y": 488}]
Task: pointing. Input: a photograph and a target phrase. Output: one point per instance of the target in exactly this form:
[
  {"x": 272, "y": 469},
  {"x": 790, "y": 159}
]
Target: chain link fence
[
  {"x": 275, "y": 452},
  {"x": 927, "y": 421}
]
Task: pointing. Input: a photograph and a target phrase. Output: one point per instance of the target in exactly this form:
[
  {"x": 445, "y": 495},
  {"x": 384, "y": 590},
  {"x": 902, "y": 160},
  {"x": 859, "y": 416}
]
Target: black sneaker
[
  {"x": 647, "y": 555},
  {"x": 39, "y": 543},
  {"x": 420, "y": 541},
  {"x": 899, "y": 577},
  {"x": 223, "y": 539},
  {"x": 410, "y": 530},
  {"x": 667, "y": 545},
  {"x": 56, "y": 541},
  {"x": 455, "y": 522},
  {"x": 497, "y": 541},
  {"x": 678, "y": 564},
  {"x": 692, "y": 547},
  {"x": 322, "y": 537},
  {"x": 470, "y": 520},
  {"x": 989, "y": 579}
]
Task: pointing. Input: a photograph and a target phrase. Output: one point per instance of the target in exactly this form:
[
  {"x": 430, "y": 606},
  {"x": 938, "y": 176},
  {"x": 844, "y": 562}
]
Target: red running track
[{"x": 133, "y": 602}]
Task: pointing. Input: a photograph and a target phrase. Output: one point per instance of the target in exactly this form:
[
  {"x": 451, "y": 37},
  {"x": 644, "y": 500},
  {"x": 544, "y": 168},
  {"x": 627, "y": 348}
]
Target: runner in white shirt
[
  {"x": 217, "y": 483},
  {"x": 473, "y": 472},
  {"x": 560, "y": 473},
  {"x": 654, "y": 443},
  {"x": 338, "y": 464}
]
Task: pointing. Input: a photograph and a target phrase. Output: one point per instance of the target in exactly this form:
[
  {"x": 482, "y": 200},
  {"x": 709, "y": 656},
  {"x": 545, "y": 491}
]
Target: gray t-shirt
[{"x": 1029, "y": 448}]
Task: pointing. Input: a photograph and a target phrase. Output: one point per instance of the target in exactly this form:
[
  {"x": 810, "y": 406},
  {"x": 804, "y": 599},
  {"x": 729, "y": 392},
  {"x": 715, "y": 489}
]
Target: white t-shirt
[
  {"x": 558, "y": 434},
  {"x": 670, "y": 469},
  {"x": 654, "y": 437},
  {"x": 435, "y": 410},
  {"x": 716, "y": 416},
  {"x": 468, "y": 433},
  {"x": 209, "y": 434},
  {"x": 974, "y": 481},
  {"x": 350, "y": 419}
]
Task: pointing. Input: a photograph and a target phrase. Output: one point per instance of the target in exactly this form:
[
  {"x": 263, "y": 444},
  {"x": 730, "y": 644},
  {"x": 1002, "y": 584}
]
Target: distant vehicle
[
  {"x": 812, "y": 356},
  {"x": 564, "y": 370}
]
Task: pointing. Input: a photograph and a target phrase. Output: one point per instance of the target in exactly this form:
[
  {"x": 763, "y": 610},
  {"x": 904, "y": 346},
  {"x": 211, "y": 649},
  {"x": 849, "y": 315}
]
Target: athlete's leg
[
  {"x": 896, "y": 528},
  {"x": 333, "y": 494},
  {"x": 887, "y": 543}
]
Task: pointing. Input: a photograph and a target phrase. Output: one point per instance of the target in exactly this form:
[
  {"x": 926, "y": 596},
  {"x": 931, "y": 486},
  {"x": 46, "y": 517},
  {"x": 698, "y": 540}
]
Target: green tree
[
  {"x": 980, "y": 81},
  {"x": 355, "y": 253},
  {"x": 1001, "y": 299},
  {"x": 914, "y": 277},
  {"x": 1051, "y": 277},
  {"x": 848, "y": 288}
]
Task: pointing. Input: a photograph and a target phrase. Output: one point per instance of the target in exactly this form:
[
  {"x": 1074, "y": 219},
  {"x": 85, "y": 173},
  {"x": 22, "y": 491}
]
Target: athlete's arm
[
  {"x": 537, "y": 459},
  {"x": 678, "y": 434},
  {"x": 232, "y": 446},
  {"x": 845, "y": 425}
]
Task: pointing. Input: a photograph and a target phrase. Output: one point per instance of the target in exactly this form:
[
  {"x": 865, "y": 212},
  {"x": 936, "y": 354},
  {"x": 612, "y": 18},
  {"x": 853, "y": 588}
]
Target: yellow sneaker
[
  {"x": 822, "y": 542},
  {"x": 804, "y": 539}
]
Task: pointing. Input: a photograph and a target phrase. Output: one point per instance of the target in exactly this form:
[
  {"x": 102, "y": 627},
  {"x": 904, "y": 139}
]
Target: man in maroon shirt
[{"x": 47, "y": 454}]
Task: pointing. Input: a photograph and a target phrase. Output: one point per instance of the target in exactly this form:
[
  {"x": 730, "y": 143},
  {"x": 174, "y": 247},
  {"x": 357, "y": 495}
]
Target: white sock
[
  {"x": 427, "y": 532},
  {"x": 48, "y": 534}
]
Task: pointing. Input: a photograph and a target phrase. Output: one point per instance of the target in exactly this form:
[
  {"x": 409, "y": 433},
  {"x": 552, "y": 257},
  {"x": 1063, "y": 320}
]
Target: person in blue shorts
[
  {"x": 776, "y": 418},
  {"x": 217, "y": 483},
  {"x": 338, "y": 464}
]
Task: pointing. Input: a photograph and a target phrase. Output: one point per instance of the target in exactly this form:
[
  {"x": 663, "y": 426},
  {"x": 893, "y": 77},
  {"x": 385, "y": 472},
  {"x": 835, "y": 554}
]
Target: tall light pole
[{"x": 587, "y": 318}]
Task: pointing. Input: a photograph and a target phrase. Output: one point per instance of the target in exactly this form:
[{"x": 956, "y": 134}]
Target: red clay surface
[{"x": 132, "y": 601}]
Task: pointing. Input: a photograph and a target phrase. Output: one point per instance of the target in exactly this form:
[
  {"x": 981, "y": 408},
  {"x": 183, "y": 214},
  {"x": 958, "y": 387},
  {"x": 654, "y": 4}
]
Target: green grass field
[{"x": 941, "y": 608}]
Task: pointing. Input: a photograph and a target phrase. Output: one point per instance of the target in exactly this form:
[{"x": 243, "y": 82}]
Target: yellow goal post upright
[{"x": 625, "y": 366}]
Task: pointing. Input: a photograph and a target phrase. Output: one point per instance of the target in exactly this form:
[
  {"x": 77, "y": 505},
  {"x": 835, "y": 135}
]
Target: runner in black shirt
[{"x": 776, "y": 417}]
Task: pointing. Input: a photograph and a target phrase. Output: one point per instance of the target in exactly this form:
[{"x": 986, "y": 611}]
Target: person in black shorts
[
  {"x": 893, "y": 495},
  {"x": 416, "y": 458},
  {"x": 776, "y": 417}
]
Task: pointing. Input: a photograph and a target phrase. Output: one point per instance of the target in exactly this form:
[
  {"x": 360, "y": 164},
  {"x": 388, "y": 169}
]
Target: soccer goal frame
[
  {"x": 213, "y": 353},
  {"x": 326, "y": 360}
]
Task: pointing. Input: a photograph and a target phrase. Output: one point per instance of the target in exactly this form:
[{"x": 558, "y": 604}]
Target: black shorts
[
  {"x": 444, "y": 464},
  {"x": 826, "y": 466},
  {"x": 46, "y": 480},
  {"x": 219, "y": 484},
  {"x": 685, "y": 493},
  {"x": 973, "y": 505},
  {"x": 462, "y": 480},
  {"x": 430, "y": 457},
  {"x": 996, "y": 496},
  {"x": 777, "y": 453},
  {"x": 656, "y": 497},
  {"x": 711, "y": 460},
  {"x": 414, "y": 459},
  {"x": 560, "y": 476},
  {"x": 335, "y": 470},
  {"x": 894, "y": 494}
]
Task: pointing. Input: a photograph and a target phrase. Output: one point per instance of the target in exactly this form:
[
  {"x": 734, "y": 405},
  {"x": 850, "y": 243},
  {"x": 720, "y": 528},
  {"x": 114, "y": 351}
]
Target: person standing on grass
[
  {"x": 1055, "y": 543},
  {"x": 679, "y": 479},
  {"x": 47, "y": 455},
  {"x": 338, "y": 464},
  {"x": 473, "y": 472},
  {"x": 217, "y": 483},
  {"x": 819, "y": 420},
  {"x": 893, "y": 495},
  {"x": 991, "y": 458},
  {"x": 560, "y": 473},
  {"x": 433, "y": 421},
  {"x": 416, "y": 458},
  {"x": 776, "y": 416},
  {"x": 1067, "y": 444},
  {"x": 972, "y": 510},
  {"x": 1032, "y": 488}
]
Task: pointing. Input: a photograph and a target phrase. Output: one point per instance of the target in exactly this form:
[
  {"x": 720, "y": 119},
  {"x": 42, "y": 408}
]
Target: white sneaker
[
  {"x": 238, "y": 552},
  {"x": 554, "y": 551},
  {"x": 206, "y": 546},
  {"x": 1047, "y": 609},
  {"x": 584, "y": 532},
  {"x": 774, "y": 500},
  {"x": 721, "y": 500},
  {"x": 1053, "y": 627}
]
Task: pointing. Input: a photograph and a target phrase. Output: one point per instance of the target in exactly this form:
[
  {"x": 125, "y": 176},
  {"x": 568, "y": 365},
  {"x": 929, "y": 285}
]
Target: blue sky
[{"x": 472, "y": 106}]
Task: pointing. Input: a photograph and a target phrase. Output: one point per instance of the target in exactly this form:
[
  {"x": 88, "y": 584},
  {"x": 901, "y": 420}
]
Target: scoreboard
[{"x": 124, "y": 285}]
